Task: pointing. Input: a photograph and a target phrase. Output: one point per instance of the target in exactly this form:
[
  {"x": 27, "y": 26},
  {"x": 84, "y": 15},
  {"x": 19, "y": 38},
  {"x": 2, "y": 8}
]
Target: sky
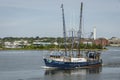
[{"x": 43, "y": 18}]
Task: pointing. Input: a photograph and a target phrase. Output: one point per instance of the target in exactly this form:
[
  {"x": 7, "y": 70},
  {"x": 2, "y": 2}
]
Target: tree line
[{"x": 59, "y": 40}]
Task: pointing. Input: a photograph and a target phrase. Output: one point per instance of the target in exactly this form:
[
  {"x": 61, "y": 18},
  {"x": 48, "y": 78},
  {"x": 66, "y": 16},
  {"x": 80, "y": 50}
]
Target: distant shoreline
[{"x": 52, "y": 49}]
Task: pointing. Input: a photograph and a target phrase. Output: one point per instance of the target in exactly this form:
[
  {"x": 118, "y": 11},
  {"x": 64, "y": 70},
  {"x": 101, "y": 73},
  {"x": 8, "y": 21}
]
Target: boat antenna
[
  {"x": 64, "y": 30},
  {"x": 80, "y": 29}
]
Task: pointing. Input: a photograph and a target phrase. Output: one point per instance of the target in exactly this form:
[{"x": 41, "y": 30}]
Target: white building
[
  {"x": 41, "y": 43},
  {"x": 15, "y": 44},
  {"x": 114, "y": 41}
]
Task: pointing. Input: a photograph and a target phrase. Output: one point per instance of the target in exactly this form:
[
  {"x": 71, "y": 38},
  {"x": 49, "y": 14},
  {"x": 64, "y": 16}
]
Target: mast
[
  {"x": 64, "y": 29},
  {"x": 80, "y": 29},
  {"x": 94, "y": 33},
  {"x": 72, "y": 41}
]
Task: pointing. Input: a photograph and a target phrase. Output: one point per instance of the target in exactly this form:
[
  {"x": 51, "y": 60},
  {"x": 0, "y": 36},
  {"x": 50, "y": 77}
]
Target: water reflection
[{"x": 73, "y": 71}]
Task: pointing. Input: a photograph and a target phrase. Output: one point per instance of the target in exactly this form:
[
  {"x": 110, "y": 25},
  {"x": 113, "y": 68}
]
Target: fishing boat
[{"x": 82, "y": 59}]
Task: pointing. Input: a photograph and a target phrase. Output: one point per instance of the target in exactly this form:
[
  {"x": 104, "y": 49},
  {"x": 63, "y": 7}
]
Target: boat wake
[
  {"x": 46, "y": 67},
  {"x": 112, "y": 65}
]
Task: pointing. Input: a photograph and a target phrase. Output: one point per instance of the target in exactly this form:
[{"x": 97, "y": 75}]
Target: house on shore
[
  {"x": 16, "y": 44},
  {"x": 114, "y": 41}
]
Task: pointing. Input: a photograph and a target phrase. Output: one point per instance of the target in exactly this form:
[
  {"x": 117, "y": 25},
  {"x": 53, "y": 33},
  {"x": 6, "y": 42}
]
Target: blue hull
[{"x": 70, "y": 65}]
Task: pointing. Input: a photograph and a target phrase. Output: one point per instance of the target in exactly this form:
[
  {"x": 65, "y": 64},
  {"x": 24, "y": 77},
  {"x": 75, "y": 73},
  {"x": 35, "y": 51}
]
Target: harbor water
[{"x": 29, "y": 65}]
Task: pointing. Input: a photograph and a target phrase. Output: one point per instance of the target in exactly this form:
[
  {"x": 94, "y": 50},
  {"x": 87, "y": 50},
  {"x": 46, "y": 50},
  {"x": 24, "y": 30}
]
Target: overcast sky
[{"x": 30, "y": 18}]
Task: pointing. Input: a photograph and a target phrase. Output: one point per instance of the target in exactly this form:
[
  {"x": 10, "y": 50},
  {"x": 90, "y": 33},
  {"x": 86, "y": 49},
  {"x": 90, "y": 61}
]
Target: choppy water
[{"x": 27, "y": 65}]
